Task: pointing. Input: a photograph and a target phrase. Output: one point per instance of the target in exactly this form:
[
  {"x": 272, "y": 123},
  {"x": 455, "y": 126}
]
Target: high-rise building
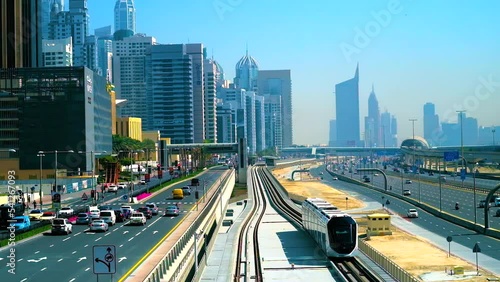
[
  {"x": 394, "y": 131},
  {"x": 46, "y": 8},
  {"x": 347, "y": 112},
  {"x": 226, "y": 126},
  {"x": 389, "y": 130},
  {"x": 273, "y": 126},
  {"x": 129, "y": 74},
  {"x": 431, "y": 124},
  {"x": 91, "y": 50},
  {"x": 125, "y": 15},
  {"x": 57, "y": 53},
  {"x": 20, "y": 33},
  {"x": 279, "y": 83},
  {"x": 105, "y": 51},
  {"x": 247, "y": 71},
  {"x": 248, "y": 105},
  {"x": 372, "y": 128},
  {"x": 210, "y": 73},
  {"x": 195, "y": 51},
  {"x": 75, "y": 24},
  {"x": 170, "y": 105},
  {"x": 260, "y": 124}
]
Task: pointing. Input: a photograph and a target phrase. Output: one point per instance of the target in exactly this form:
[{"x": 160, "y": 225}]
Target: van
[
  {"x": 108, "y": 216},
  {"x": 178, "y": 194}
]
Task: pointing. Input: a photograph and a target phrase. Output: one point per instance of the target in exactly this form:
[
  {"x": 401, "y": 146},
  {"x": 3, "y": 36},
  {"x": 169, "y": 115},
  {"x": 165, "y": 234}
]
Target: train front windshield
[{"x": 343, "y": 235}]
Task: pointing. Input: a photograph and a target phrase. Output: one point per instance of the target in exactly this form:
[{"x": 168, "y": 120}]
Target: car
[
  {"x": 153, "y": 207},
  {"x": 335, "y": 178},
  {"x": 137, "y": 218},
  {"x": 61, "y": 225},
  {"x": 431, "y": 173},
  {"x": 321, "y": 173},
  {"x": 127, "y": 211},
  {"x": 367, "y": 179},
  {"x": 98, "y": 225},
  {"x": 94, "y": 214},
  {"x": 375, "y": 174},
  {"x": 406, "y": 192},
  {"x": 66, "y": 212},
  {"x": 122, "y": 186},
  {"x": 408, "y": 181},
  {"x": 142, "y": 182},
  {"x": 35, "y": 214},
  {"x": 104, "y": 208},
  {"x": 412, "y": 213},
  {"x": 497, "y": 213},
  {"x": 112, "y": 188},
  {"x": 48, "y": 215},
  {"x": 482, "y": 204},
  {"x": 82, "y": 218},
  {"x": 120, "y": 216},
  {"x": 146, "y": 211},
  {"x": 108, "y": 216},
  {"x": 186, "y": 190},
  {"x": 171, "y": 211},
  {"x": 21, "y": 222},
  {"x": 442, "y": 178}
]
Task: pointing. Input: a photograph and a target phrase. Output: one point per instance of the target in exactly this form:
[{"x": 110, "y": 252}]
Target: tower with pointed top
[
  {"x": 372, "y": 122},
  {"x": 247, "y": 71},
  {"x": 347, "y": 112}
]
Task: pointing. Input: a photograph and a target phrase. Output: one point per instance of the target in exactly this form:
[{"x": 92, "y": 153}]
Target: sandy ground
[{"x": 430, "y": 267}]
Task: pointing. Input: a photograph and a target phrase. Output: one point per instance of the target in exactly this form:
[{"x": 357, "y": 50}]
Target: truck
[
  {"x": 112, "y": 173},
  {"x": 195, "y": 182},
  {"x": 61, "y": 225}
]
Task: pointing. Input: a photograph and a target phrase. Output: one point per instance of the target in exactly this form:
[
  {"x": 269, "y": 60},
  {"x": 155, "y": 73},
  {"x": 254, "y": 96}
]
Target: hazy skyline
[{"x": 413, "y": 52}]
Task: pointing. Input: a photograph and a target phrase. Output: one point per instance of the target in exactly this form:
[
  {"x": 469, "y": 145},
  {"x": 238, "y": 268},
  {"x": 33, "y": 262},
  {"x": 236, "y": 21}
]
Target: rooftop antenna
[
  {"x": 212, "y": 54},
  {"x": 247, "y": 49}
]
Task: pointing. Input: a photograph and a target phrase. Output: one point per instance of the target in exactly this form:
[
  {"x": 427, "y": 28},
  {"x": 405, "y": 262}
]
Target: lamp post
[
  {"x": 41, "y": 173},
  {"x": 461, "y": 113},
  {"x": 93, "y": 184},
  {"x": 55, "y": 165},
  {"x": 413, "y": 120},
  {"x": 474, "y": 189},
  {"x": 493, "y": 133}
]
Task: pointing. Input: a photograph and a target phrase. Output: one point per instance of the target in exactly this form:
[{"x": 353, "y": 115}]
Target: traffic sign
[
  {"x": 56, "y": 206},
  {"x": 125, "y": 197},
  {"x": 84, "y": 197},
  {"x": 462, "y": 174},
  {"x": 451, "y": 156},
  {"x": 104, "y": 259},
  {"x": 476, "y": 248},
  {"x": 56, "y": 198}
]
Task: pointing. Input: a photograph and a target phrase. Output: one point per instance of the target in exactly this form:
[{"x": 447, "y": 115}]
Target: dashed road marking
[
  {"x": 43, "y": 269},
  {"x": 130, "y": 239},
  {"x": 59, "y": 260},
  {"x": 37, "y": 252}
]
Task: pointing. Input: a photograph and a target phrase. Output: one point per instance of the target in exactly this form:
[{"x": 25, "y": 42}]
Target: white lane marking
[
  {"x": 77, "y": 234},
  {"x": 74, "y": 252},
  {"x": 72, "y": 279},
  {"x": 122, "y": 258},
  {"x": 156, "y": 231},
  {"x": 120, "y": 246},
  {"x": 19, "y": 259},
  {"x": 143, "y": 229},
  {"x": 51, "y": 245},
  {"x": 80, "y": 259},
  {"x": 98, "y": 239},
  {"x": 87, "y": 269},
  {"x": 107, "y": 234},
  {"x": 67, "y": 238},
  {"x": 86, "y": 246},
  {"x": 125, "y": 232},
  {"x": 37, "y": 252},
  {"x": 130, "y": 239},
  {"x": 43, "y": 269},
  {"x": 59, "y": 260},
  {"x": 24, "y": 279},
  {"x": 138, "y": 234}
]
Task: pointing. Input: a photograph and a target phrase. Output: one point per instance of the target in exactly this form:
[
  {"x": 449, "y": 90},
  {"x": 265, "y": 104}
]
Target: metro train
[{"x": 335, "y": 231}]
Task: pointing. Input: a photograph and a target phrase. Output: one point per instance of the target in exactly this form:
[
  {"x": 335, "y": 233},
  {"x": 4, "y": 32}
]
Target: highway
[
  {"x": 460, "y": 235},
  {"x": 69, "y": 257}
]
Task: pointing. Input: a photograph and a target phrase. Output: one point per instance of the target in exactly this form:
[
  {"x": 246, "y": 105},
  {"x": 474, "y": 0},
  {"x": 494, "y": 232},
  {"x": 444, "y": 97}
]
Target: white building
[
  {"x": 210, "y": 72},
  {"x": 57, "y": 53}
]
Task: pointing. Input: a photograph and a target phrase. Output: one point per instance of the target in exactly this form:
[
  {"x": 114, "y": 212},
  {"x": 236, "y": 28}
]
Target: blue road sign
[
  {"x": 451, "y": 156},
  {"x": 462, "y": 174},
  {"x": 125, "y": 197}
]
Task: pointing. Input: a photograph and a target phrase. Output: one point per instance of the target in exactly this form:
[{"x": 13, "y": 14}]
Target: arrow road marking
[
  {"x": 156, "y": 231},
  {"x": 125, "y": 232},
  {"x": 80, "y": 259},
  {"x": 1, "y": 258},
  {"x": 122, "y": 258},
  {"x": 36, "y": 260}
]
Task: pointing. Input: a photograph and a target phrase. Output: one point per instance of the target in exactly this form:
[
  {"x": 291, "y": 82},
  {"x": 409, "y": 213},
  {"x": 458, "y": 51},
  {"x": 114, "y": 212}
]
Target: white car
[
  {"x": 412, "y": 213},
  {"x": 122, "y": 186},
  {"x": 138, "y": 218},
  {"x": 335, "y": 178},
  {"x": 95, "y": 214},
  {"x": 66, "y": 212},
  {"x": 112, "y": 188},
  {"x": 98, "y": 225}
]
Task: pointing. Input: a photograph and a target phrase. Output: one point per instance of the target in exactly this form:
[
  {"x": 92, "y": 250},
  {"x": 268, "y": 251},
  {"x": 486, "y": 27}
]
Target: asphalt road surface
[{"x": 70, "y": 257}]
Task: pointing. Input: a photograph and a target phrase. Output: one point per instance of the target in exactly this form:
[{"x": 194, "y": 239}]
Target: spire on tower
[
  {"x": 247, "y": 49},
  {"x": 373, "y": 88}
]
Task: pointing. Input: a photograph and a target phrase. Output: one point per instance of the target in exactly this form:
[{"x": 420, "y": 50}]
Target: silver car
[{"x": 99, "y": 225}]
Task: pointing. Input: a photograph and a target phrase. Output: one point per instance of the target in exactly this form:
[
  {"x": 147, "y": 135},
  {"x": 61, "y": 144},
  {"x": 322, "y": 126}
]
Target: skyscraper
[
  {"x": 210, "y": 73},
  {"x": 332, "y": 133},
  {"x": 431, "y": 124},
  {"x": 125, "y": 15},
  {"x": 247, "y": 71},
  {"x": 20, "y": 34},
  {"x": 347, "y": 111},
  {"x": 389, "y": 132},
  {"x": 372, "y": 135},
  {"x": 46, "y": 8},
  {"x": 279, "y": 83}
]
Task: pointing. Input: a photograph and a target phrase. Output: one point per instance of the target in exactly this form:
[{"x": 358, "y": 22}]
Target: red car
[{"x": 146, "y": 211}]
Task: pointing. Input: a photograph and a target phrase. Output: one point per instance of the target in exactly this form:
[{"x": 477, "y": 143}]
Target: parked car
[
  {"x": 21, "y": 222},
  {"x": 171, "y": 211},
  {"x": 35, "y": 214},
  {"x": 186, "y": 190},
  {"x": 61, "y": 225},
  {"x": 99, "y": 225},
  {"x": 406, "y": 192},
  {"x": 82, "y": 218},
  {"x": 153, "y": 207},
  {"x": 48, "y": 215},
  {"x": 412, "y": 213},
  {"x": 146, "y": 211},
  {"x": 66, "y": 212},
  {"x": 408, "y": 181},
  {"x": 120, "y": 217},
  {"x": 137, "y": 218}
]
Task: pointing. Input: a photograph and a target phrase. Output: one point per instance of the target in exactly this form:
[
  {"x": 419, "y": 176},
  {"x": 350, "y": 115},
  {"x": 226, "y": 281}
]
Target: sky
[{"x": 413, "y": 52}]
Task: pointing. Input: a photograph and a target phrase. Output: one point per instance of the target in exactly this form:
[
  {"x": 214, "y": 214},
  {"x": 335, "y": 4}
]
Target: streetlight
[
  {"x": 474, "y": 189},
  {"x": 346, "y": 199},
  {"x": 493, "y": 133},
  {"x": 93, "y": 186},
  {"x": 461, "y": 113},
  {"x": 55, "y": 165},
  {"x": 41, "y": 173}
]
